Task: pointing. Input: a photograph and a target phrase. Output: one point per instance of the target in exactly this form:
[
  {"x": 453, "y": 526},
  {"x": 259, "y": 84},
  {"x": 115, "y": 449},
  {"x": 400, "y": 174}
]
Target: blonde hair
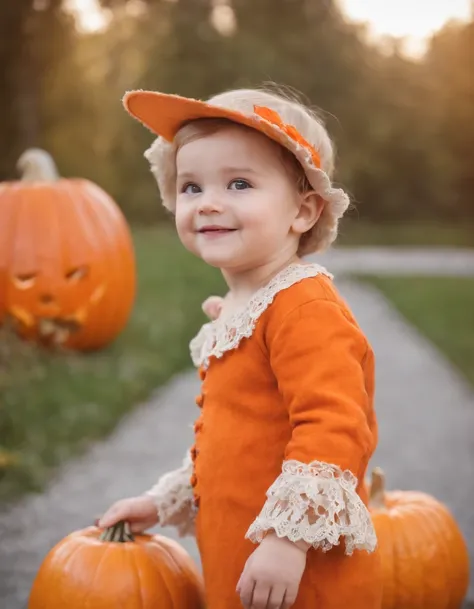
[
  {"x": 162, "y": 157},
  {"x": 208, "y": 126}
]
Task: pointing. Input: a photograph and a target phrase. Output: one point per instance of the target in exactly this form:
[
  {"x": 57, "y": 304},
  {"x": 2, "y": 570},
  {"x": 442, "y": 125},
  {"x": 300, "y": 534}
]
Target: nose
[
  {"x": 49, "y": 304},
  {"x": 209, "y": 204},
  {"x": 46, "y": 299}
]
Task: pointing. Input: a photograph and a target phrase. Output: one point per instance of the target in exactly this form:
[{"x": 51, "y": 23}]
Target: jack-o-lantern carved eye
[
  {"x": 23, "y": 281},
  {"x": 77, "y": 273}
]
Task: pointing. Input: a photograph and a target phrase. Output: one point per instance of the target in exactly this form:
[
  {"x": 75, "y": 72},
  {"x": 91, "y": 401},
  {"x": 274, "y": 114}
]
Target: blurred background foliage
[{"x": 404, "y": 127}]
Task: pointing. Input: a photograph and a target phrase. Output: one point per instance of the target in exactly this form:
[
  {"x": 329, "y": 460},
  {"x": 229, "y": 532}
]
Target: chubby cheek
[
  {"x": 251, "y": 220},
  {"x": 267, "y": 224},
  {"x": 185, "y": 226}
]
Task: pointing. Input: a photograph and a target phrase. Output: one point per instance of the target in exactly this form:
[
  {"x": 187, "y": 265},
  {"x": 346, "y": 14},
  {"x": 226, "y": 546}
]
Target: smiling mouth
[{"x": 215, "y": 230}]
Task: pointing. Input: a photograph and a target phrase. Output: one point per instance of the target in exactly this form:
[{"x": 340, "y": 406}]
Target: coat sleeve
[
  {"x": 319, "y": 358},
  {"x": 173, "y": 497}
]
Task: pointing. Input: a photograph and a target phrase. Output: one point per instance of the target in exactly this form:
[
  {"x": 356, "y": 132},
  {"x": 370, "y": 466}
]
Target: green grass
[
  {"x": 442, "y": 308},
  {"x": 355, "y": 232},
  {"x": 52, "y": 405}
]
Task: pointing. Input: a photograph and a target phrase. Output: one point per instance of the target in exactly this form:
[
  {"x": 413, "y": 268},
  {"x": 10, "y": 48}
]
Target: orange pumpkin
[
  {"x": 67, "y": 268},
  {"x": 424, "y": 557},
  {"x": 112, "y": 569}
]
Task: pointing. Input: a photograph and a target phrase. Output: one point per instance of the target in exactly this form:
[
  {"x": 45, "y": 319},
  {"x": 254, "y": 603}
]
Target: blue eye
[
  {"x": 239, "y": 185},
  {"x": 191, "y": 189}
]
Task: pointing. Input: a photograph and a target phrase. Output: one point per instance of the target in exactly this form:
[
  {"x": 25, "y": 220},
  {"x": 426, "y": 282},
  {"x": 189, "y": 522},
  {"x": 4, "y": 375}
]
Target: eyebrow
[
  {"x": 238, "y": 170},
  {"x": 187, "y": 175}
]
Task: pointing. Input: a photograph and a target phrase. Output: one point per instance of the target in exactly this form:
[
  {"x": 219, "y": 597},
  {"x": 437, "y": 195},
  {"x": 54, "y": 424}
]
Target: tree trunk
[{"x": 19, "y": 122}]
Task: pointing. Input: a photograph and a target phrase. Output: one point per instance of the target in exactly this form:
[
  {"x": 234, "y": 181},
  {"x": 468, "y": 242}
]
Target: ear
[{"x": 311, "y": 206}]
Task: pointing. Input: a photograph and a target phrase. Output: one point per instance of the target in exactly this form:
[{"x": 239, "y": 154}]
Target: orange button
[
  {"x": 194, "y": 453},
  {"x": 198, "y": 426},
  {"x": 193, "y": 480},
  {"x": 197, "y": 501},
  {"x": 200, "y": 400},
  {"x": 202, "y": 373}
]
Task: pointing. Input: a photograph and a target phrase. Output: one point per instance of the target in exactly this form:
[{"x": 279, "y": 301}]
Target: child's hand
[
  {"x": 272, "y": 574},
  {"x": 139, "y": 512},
  {"x": 212, "y": 306}
]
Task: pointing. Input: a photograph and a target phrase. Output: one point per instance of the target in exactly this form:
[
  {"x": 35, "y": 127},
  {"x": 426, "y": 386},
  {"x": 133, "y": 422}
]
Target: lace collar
[{"x": 219, "y": 336}]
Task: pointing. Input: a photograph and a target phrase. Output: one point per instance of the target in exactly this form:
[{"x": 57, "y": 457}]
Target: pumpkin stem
[
  {"x": 36, "y": 165},
  {"x": 119, "y": 533},
  {"x": 377, "y": 489}
]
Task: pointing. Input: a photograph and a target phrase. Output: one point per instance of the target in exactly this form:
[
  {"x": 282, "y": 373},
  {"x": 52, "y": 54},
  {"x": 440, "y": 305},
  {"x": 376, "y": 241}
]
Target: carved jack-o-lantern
[{"x": 67, "y": 267}]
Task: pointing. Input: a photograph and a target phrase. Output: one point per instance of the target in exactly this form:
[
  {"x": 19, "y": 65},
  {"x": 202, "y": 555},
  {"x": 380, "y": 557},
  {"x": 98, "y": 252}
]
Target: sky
[{"x": 414, "y": 19}]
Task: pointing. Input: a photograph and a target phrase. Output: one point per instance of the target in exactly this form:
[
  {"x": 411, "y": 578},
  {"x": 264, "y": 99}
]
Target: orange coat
[{"x": 287, "y": 383}]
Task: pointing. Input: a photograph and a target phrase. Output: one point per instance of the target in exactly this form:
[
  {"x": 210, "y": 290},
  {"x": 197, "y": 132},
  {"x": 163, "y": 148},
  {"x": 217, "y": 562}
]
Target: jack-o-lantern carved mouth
[
  {"x": 54, "y": 329},
  {"x": 57, "y": 331},
  {"x": 50, "y": 330}
]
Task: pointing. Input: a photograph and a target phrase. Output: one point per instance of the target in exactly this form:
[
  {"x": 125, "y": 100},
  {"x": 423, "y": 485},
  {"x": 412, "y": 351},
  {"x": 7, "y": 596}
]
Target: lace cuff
[
  {"x": 317, "y": 503},
  {"x": 173, "y": 496}
]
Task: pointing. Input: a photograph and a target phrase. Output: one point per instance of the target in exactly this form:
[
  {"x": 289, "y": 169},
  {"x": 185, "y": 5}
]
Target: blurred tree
[
  {"x": 449, "y": 70},
  {"x": 33, "y": 34},
  {"x": 86, "y": 123},
  {"x": 393, "y": 174},
  {"x": 305, "y": 44}
]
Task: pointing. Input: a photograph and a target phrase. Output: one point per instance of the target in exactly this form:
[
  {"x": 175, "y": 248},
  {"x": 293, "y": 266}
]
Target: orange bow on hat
[{"x": 274, "y": 118}]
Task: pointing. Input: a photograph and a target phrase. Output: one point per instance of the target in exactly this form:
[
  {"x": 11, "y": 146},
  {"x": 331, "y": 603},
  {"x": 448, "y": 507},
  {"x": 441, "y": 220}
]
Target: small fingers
[
  {"x": 119, "y": 511},
  {"x": 289, "y": 598},
  {"x": 261, "y": 594},
  {"x": 245, "y": 590},
  {"x": 139, "y": 527},
  {"x": 276, "y": 599}
]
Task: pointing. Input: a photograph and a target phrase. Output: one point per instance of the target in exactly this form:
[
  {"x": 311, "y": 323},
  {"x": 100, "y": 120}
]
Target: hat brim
[{"x": 164, "y": 114}]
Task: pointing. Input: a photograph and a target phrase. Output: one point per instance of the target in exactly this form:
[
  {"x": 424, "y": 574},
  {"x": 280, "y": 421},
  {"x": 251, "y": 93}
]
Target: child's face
[{"x": 236, "y": 202}]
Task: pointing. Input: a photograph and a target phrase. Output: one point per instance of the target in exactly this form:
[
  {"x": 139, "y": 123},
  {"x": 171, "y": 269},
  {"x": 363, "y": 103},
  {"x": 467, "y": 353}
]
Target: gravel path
[
  {"x": 426, "y": 416},
  {"x": 400, "y": 261}
]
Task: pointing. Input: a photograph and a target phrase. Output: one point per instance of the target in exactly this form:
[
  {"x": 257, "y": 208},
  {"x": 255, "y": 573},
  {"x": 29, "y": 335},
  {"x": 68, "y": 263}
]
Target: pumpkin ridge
[
  {"x": 435, "y": 528},
  {"x": 452, "y": 558},
  {"x": 164, "y": 580},
  {"x": 182, "y": 566},
  {"x": 59, "y": 569},
  {"x": 389, "y": 559},
  {"x": 136, "y": 569},
  {"x": 91, "y": 589},
  {"x": 414, "y": 530},
  {"x": 406, "y": 579}
]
